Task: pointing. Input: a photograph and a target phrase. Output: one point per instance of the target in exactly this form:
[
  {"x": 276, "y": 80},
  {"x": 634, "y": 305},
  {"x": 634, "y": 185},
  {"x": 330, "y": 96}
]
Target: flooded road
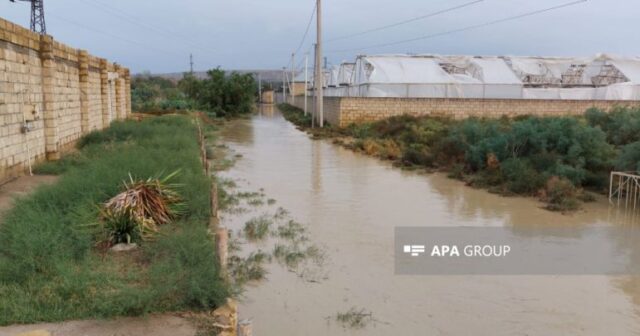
[{"x": 351, "y": 204}]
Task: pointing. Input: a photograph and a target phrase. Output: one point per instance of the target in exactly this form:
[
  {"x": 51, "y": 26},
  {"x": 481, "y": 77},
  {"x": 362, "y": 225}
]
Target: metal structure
[
  {"x": 624, "y": 190},
  {"x": 37, "y": 16}
]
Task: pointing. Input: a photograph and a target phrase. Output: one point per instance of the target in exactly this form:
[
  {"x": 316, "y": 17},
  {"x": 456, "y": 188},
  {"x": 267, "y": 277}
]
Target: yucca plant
[{"x": 137, "y": 212}]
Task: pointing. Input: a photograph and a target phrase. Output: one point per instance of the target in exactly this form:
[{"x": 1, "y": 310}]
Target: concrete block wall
[
  {"x": 66, "y": 87},
  {"x": 332, "y": 108},
  {"x": 342, "y": 111}
]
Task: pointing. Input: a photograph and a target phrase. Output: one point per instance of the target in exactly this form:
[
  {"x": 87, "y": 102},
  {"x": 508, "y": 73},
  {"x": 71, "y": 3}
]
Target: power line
[
  {"x": 511, "y": 18},
  {"x": 137, "y": 43},
  {"x": 313, "y": 14},
  {"x": 372, "y": 30},
  {"x": 136, "y": 21}
]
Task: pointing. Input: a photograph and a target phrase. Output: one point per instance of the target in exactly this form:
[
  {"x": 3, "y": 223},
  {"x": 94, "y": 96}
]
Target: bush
[
  {"x": 621, "y": 124},
  {"x": 153, "y": 94},
  {"x": 521, "y": 177},
  {"x": 560, "y": 194},
  {"x": 629, "y": 158},
  {"x": 221, "y": 94},
  {"x": 417, "y": 154}
]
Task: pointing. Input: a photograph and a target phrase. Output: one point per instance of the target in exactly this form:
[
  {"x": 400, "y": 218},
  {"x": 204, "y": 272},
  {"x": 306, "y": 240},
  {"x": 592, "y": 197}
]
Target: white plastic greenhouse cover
[
  {"x": 425, "y": 76},
  {"x": 345, "y": 73}
]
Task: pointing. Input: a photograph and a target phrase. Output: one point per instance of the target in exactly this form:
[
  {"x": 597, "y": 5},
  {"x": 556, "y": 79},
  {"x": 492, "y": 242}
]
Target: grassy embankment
[
  {"x": 52, "y": 264},
  {"x": 553, "y": 158}
]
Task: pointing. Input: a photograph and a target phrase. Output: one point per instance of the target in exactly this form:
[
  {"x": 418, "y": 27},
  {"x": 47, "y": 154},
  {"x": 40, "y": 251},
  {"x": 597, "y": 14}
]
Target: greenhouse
[{"x": 602, "y": 77}]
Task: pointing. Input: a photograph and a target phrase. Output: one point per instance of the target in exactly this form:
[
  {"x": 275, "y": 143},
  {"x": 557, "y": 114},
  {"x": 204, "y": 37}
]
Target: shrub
[
  {"x": 521, "y": 177},
  {"x": 621, "y": 124},
  {"x": 629, "y": 158},
  {"x": 417, "y": 154},
  {"x": 560, "y": 194},
  {"x": 222, "y": 94}
]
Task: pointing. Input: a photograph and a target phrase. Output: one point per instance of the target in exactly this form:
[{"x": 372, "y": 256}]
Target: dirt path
[
  {"x": 157, "y": 325},
  {"x": 20, "y": 187}
]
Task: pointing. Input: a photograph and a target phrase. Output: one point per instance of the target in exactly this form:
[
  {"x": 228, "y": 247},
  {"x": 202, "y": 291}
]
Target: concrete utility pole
[
  {"x": 284, "y": 85},
  {"x": 318, "y": 77},
  {"x": 306, "y": 80},
  {"x": 293, "y": 77},
  {"x": 259, "y": 87},
  {"x": 314, "y": 110}
]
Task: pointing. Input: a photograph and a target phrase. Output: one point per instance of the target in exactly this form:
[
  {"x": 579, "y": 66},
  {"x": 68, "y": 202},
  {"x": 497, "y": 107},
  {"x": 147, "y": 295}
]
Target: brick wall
[
  {"x": 343, "y": 111},
  {"x": 67, "y": 88}
]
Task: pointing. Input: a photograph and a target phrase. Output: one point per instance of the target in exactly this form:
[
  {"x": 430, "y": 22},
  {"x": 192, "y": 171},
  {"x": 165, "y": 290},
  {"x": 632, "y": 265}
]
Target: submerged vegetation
[
  {"x": 52, "y": 265},
  {"x": 553, "y": 158},
  {"x": 355, "y": 318}
]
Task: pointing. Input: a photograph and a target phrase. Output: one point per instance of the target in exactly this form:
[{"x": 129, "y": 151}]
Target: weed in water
[
  {"x": 281, "y": 213},
  {"x": 293, "y": 231},
  {"x": 355, "y": 318},
  {"x": 257, "y": 228},
  {"x": 248, "y": 269}
]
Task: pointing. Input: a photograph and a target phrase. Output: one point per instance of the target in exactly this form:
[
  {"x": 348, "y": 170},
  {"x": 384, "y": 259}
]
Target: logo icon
[{"x": 414, "y": 250}]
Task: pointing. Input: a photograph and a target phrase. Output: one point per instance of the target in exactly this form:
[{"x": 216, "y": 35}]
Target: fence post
[
  {"x": 222, "y": 245},
  {"x": 52, "y": 137},
  {"x": 104, "y": 93},
  {"x": 83, "y": 67}
]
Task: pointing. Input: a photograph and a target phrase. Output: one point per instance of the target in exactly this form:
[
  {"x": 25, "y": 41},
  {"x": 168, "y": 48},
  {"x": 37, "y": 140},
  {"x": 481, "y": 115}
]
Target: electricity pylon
[{"x": 37, "y": 16}]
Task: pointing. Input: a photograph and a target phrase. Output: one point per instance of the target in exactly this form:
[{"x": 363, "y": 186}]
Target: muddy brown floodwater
[{"x": 351, "y": 204}]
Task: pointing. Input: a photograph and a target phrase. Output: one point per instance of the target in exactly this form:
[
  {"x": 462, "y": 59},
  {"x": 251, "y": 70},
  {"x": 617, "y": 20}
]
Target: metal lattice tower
[{"x": 37, "y": 16}]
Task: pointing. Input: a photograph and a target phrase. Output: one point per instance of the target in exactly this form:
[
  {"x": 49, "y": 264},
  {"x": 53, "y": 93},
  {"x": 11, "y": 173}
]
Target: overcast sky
[{"x": 159, "y": 35}]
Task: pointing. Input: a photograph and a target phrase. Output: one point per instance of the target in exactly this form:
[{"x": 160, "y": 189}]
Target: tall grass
[{"x": 50, "y": 269}]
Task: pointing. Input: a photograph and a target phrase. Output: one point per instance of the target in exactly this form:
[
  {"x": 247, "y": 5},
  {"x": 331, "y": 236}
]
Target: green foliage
[
  {"x": 520, "y": 176},
  {"x": 153, "y": 94},
  {"x": 50, "y": 269},
  {"x": 221, "y": 94},
  {"x": 629, "y": 158},
  {"x": 621, "y": 124},
  {"x": 560, "y": 194}
]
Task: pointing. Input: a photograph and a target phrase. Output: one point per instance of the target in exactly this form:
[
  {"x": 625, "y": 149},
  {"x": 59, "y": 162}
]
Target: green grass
[{"x": 50, "y": 268}]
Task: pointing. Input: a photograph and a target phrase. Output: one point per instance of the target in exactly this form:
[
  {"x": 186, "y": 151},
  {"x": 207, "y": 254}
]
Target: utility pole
[
  {"x": 318, "y": 77},
  {"x": 284, "y": 85},
  {"x": 314, "y": 110},
  {"x": 306, "y": 80},
  {"x": 37, "y": 16},
  {"x": 191, "y": 63},
  {"x": 293, "y": 78},
  {"x": 259, "y": 87}
]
